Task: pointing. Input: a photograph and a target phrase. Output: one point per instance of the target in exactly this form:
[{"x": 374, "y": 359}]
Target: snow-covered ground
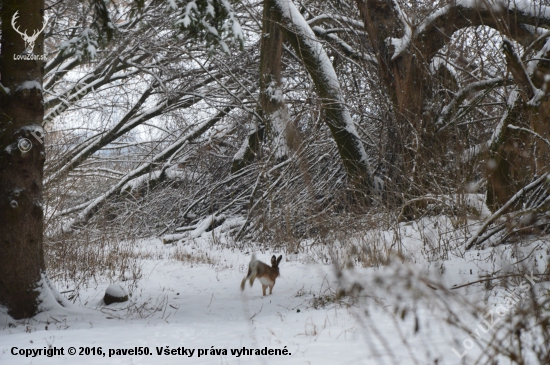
[{"x": 196, "y": 305}]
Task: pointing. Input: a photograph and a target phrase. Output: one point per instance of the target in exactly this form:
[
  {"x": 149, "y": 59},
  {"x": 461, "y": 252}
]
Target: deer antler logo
[{"x": 29, "y": 40}]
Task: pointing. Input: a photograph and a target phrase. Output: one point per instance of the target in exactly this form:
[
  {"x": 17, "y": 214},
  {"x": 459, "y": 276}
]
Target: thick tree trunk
[
  {"x": 515, "y": 155},
  {"x": 408, "y": 83},
  {"x": 404, "y": 52},
  {"x": 507, "y": 169},
  {"x": 21, "y": 162}
]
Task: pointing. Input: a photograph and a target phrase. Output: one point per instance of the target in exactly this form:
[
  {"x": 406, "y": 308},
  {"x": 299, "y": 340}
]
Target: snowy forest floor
[{"x": 187, "y": 295}]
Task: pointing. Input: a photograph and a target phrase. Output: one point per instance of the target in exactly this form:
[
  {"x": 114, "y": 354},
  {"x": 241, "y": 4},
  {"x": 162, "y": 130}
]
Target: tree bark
[
  {"x": 407, "y": 82},
  {"x": 404, "y": 52},
  {"x": 273, "y": 110},
  {"x": 515, "y": 157},
  {"x": 507, "y": 170},
  {"x": 249, "y": 149},
  {"x": 319, "y": 67},
  {"x": 21, "y": 113},
  {"x": 275, "y": 113}
]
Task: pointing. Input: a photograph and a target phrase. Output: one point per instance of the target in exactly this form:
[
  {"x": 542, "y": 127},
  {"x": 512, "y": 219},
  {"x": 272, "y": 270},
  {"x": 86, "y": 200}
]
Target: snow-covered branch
[
  {"x": 146, "y": 167},
  {"x": 348, "y": 50},
  {"x": 319, "y": 66},
  {"x": 448, "y": 110},
  {"x": 508, "y": 17}
]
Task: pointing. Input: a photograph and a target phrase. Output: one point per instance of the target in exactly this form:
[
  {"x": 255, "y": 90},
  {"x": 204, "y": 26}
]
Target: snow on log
[{"x": 215, "y": 222}]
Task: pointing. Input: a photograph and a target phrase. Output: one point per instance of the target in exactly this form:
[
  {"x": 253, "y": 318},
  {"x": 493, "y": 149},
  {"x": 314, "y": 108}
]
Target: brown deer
[{"x": 266, "y": 274}]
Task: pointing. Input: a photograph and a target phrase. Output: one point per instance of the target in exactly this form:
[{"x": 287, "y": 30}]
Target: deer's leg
[{"x": 264, "y": 287}]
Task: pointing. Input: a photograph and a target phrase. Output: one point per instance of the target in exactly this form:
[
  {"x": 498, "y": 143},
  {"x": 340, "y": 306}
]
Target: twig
[
  {"x": 257, "y": 312},
  {"x": 212, "y": 297},
  {"x": 501, "y": 211},
  {"x": 493, "y": 278}
]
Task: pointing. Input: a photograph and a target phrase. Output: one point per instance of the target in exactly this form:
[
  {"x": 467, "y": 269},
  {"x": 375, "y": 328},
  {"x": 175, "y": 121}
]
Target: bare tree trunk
[
  {"x": 408, "y": 85},
  {"x": 274, "y": 114},
  {"x": 506, "y": 171},
  {"x": 515, "y": 157},
  {"x": 319, "y": 67},
  {"x": 249, "y": 149},
  {"x": 272, "y": 101},
  {"x": 21, "y": 162}
]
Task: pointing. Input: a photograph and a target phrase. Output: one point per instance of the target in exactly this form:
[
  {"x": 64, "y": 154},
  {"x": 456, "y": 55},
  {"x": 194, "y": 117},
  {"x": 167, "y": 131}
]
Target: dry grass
[
  {"x": 192, "y": 258},
  {"x": 79, "y": 261}
]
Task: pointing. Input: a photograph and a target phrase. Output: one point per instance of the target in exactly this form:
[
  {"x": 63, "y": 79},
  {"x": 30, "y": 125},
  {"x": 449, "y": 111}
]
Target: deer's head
[{"x": 29, "y": 40}]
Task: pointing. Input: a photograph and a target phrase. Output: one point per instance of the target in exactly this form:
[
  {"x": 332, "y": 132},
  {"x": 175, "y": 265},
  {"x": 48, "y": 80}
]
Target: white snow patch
[
  {"x": 279, "y": 121},
  {"x": 29, "y": 85},
  {"x": 92, "y": 51},
  {"x": 35, "y": 129},
  {"x": 210, "y": 10},
  {"x": 205, "y": 224},
  {"x": 471, "y": 153},
  {"x": 11, "y": 148},
  {"x": 5, "y": 90},
  {"x": 172, "y": 5},
  {"x": 116, "y": 290},
  {"x": 136, "y": 183},
  {"x": 242, "y": 150},
  {"x": 192, "y": 305},
  {"x": 49, "y": 297}
]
